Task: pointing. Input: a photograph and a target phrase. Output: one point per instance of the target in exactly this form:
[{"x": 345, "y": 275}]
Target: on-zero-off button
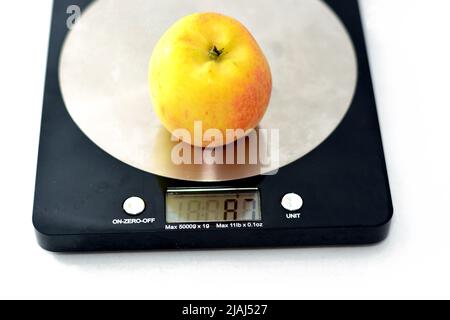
[
  {"x": 292, "y": 202},
  {"x": 134, "y": 206}
]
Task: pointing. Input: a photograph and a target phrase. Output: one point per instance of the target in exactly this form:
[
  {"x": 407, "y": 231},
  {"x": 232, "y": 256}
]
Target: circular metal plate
[{"x": 104, "y": 65}]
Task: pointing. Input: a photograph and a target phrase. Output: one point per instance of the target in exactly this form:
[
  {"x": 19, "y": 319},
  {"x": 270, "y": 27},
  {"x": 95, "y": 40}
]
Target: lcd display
[{"x": 212, "y": 205}]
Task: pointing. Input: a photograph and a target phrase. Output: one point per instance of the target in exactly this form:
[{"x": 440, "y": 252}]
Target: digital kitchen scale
[{"x": 106, "y": 179}]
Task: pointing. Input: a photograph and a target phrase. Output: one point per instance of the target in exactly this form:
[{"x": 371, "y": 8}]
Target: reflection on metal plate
[{"x": 104, "y": 65}]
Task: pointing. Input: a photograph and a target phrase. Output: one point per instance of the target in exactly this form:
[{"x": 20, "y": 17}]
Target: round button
[
  {"x": 292, "y": 202},
  {"x": 134, "y": 206}
]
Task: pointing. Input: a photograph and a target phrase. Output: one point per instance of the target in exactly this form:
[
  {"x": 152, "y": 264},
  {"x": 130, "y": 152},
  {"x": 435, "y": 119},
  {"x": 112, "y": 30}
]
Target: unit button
[
  {"x": 292, "y": 202},
  {"x": 134, "y": 206}
]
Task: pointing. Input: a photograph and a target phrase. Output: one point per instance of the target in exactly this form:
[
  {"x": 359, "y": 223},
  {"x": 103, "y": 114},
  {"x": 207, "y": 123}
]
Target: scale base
[
  {"x": 228, "y": 240},
  {"x": 81, "y": 189}
]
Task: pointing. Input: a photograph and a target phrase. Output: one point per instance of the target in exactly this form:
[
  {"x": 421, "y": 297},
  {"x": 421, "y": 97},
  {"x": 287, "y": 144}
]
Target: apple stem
[{"x": 215, "y": 53}]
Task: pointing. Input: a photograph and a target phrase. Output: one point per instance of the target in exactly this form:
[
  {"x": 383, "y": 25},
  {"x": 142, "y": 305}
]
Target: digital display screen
[{"x": 212, "y": 205}]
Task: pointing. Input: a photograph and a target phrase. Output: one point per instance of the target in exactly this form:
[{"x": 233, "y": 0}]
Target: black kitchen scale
[{"x": 105, "y": 178}]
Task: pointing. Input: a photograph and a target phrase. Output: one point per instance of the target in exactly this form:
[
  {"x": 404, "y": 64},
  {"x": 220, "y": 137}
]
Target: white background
[{"x": 410, "y": 53}]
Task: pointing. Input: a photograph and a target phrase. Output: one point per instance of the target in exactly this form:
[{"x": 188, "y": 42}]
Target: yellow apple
[{"x": 208, "y": 67}]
